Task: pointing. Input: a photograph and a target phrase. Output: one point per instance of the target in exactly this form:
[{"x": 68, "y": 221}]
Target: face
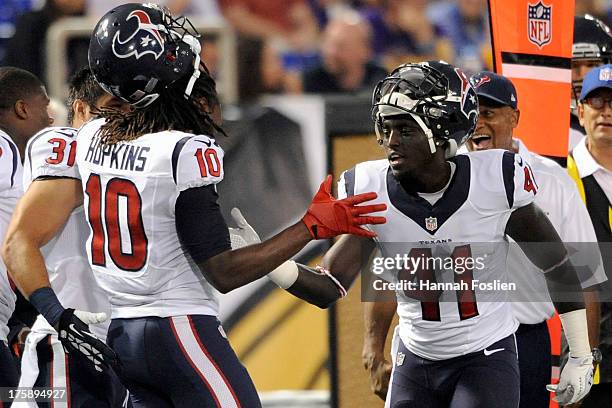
[
  {"x": 580, "y": 68},
  {"x": 37, "y": 108},
  {"x": 494, "y": 128},
  {"x": 597, "y": 122},
  {"x": 406, "y": 146},
  {"x": 344, "y": 47}
]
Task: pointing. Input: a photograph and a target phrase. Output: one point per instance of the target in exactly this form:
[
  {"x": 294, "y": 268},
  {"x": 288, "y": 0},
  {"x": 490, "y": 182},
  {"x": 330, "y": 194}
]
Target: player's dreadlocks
[
  {"x": 83, "y": 86},
  {"x": 171, "y": 111}
]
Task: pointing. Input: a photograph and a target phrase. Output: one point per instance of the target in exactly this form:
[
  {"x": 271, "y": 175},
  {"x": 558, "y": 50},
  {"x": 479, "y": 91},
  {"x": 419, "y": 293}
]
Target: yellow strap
[
  {"x": 572, "y": 169},
  {"x": 596, "y": 375}
]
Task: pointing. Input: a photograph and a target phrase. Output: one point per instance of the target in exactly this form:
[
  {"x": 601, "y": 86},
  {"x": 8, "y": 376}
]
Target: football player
[
  {"x": 592, "y": 48},
  {"x": 23, "y": 112},
  {"x": 158, "y": 244},
  {"x": 45, "y": 246},
  {"x": 453, "y": 348}
]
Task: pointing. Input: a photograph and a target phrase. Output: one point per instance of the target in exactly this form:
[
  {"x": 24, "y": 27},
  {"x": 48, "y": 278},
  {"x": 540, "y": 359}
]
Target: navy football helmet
[
  {"x": 137, "y": 50},
  {"x": 437, "y": 95}
]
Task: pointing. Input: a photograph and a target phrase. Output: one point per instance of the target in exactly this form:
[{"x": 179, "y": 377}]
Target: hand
[
  {"x": 75, "y": 336},
  {"x": 328, "y": 217},
  {"x": 244, "y": 234},
  {"x": 575, "y": 382},
  {"x": 379, "y": 371}
]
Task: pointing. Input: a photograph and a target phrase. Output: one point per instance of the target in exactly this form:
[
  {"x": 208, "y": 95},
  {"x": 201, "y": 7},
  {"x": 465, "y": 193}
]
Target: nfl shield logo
[
  {"x": 431, "y": 223},
  {"x": 539, "y": 23}
]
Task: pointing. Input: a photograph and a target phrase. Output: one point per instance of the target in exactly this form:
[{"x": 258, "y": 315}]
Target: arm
[
  {"x": 377, "y": 320},
  {"x": 593, "y": 312},
  {"x": 528, "y": 225},
  {"x": 229, "y": 269},
  {"x": 344, "y": 260},
  {"x": 33, "y": 224}
]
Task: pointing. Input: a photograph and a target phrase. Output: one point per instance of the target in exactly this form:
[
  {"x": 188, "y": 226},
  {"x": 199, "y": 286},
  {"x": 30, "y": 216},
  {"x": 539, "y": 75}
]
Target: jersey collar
[{"x": 585, "y": 162}]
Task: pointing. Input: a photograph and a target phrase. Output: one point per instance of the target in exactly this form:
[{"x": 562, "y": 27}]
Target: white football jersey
[
  {"x": 558, "y": 197},
  {"x": 10, "y": 192},
  {"x": 468, "y": 221},
  {"x": 130, "y": 194},
  {"x": 52, "y": 153}
]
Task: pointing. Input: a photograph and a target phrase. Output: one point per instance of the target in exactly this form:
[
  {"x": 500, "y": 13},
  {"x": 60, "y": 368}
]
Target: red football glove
[{"x": 328, "y": 217}]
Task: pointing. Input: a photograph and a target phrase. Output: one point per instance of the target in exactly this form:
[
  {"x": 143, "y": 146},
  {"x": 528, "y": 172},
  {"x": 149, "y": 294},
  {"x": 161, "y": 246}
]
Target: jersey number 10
[{"x": 127, "y": 259}]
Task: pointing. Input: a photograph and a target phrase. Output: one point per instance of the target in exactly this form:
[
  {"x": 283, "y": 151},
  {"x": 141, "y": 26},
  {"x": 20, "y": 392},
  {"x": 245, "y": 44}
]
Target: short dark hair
[
  {"x": 16, "y": 84},
  {"x": 83, "y": 86}
]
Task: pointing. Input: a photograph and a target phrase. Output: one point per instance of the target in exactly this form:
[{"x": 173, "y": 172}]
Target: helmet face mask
[
  {"x": 137, "y": 50},
  {"x": 436, "y": 95}
]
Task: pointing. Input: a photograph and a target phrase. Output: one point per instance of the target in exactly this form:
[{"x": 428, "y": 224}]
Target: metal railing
[{"x": 62, "y": 31}]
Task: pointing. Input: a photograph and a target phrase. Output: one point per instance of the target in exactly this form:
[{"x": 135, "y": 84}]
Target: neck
[
  {"x": 432, "y": 178},
  {"x": 601, "y": 152}
]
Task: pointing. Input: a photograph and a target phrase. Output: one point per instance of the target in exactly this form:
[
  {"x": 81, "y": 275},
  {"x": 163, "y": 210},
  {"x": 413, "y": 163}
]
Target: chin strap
[
  {"x": 196, "y": 48},
  {"x": 427, "y": 131}
]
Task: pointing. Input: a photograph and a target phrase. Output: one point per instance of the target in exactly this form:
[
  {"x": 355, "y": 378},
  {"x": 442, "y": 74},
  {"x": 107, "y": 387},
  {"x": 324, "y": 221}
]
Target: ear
[
  {"x": 80, "y": 109},
  {"x": 581, "y": 113},
  {"x": 516, "y": 117},
  {"x": 21, "y": 109}
]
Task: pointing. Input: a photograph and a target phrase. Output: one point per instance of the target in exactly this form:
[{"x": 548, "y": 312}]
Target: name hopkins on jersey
[{"x": 120, "y": 156}]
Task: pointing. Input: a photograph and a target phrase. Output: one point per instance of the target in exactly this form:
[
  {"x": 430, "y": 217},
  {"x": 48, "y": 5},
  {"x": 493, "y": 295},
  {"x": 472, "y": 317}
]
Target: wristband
[
  {"x": 47, "y": 304},
  {"x": 285, "y": 275}
]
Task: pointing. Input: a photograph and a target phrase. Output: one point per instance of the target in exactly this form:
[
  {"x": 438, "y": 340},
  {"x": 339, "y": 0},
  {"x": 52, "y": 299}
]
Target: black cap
[{"x": 495, "y": 87}]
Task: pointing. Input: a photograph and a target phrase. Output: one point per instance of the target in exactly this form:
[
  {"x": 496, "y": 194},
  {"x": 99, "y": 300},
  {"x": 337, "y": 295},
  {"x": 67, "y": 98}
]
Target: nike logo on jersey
[
  {"x": 489, "y": 352},
  {"x": 205, "y": 142}
]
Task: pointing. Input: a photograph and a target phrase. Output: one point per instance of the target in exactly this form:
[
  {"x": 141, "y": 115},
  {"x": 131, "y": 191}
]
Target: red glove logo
[{"x": 328, "y": 217}]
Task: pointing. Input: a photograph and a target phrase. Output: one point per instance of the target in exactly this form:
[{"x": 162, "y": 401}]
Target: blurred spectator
[
  {"x": 401, "y": 31},
  {"x": 265, "y": 73},
  {"x": 27, "y": 47},
  {"x": 10, "y": 10},
  {"x": 346, "y": 53},
  {"x": 200, "y": 9},
  {"x": 464, "y": 24},
  {"x": 291, "y": 21}
]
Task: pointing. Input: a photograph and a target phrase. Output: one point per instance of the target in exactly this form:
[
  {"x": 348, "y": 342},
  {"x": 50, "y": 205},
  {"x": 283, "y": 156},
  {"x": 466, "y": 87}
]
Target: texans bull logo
[
  {"x": 466, "y": 108},
  {"x": 146, "y": 39}
]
